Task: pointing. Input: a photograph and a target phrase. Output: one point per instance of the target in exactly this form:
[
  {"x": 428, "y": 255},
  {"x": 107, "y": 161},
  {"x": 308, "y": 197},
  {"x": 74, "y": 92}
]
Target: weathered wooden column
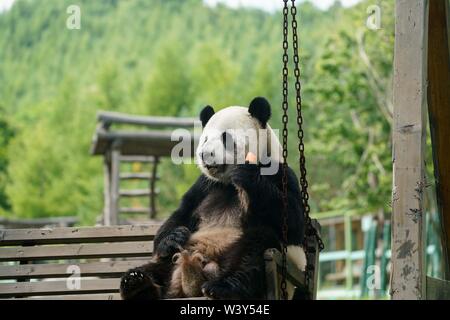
[
  {"x": 115, "y": 180},
  {"x": 409, "y": 131},
  {"x": 107, "y": 189},
  {"x": 439, "y": 113}
]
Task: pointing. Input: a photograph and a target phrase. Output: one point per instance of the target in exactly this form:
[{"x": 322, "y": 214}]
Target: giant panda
[{"x": 234, "y": 204}]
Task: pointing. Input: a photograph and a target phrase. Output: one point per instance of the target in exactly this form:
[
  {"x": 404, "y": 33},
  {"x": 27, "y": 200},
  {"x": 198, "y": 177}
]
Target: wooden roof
[{"x": 153, "y": 140}]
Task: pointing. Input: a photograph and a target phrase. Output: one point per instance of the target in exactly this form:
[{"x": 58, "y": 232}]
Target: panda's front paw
[
  {"x": 220, "y": 289},
  {"x": 173, "y": 242},
  {"x": 136, "y": 285},
  {"x": 245, "y": 175}
]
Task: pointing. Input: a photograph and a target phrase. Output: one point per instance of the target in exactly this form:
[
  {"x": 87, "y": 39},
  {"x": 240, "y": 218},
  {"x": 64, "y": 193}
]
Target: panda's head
[{"x": 230, "y": 134}]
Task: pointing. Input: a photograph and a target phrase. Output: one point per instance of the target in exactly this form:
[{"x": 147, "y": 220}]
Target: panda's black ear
[
  {"x": 206, "y": 114},
  {"x": 260, "y": 109}
]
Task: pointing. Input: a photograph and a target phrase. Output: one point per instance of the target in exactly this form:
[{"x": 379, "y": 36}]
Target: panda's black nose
[{"x": 208, "y": 159}]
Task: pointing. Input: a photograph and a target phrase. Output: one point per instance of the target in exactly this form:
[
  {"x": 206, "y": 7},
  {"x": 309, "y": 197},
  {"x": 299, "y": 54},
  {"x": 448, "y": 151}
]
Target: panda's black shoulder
[{"x": 292, "y": 179}]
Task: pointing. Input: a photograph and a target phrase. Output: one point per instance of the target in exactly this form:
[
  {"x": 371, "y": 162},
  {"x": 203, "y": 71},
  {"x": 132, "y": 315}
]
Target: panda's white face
[{"x": 226, "y": 140}]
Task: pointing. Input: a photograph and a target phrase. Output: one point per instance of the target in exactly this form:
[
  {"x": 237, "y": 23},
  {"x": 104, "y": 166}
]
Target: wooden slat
[
  {"x": 294, "y": 275},
  {"x": 137, "y": 193},
  {"x": 42, "y": 288},
  {"x": 135, "y": 210},
  {"x": 137, "y": 176},
  {"x": 77, "y": 251},
  {"x": 95, "y": 296},
  {"x": 438, "y": 289},
  {"x": 409, "y": 131},
  {"x": 439, "y": 113},
  {"x": 108, "y": 118},
  {"x": 53, "y": 270},
  {"x": 149, "y": 159},
  {"x": 78, "y": 235},
  {"x": 38, "y": 222}
]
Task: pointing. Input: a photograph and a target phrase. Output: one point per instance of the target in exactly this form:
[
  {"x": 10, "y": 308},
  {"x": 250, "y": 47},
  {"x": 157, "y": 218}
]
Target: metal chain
[
  {"x": 284, "y": 294},
  {"x": 310, "y": 230}
]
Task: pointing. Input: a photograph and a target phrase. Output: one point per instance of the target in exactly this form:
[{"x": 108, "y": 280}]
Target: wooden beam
[
  {"x": 409, "y": 130},
  {"x": 438, "y": 289},
  {"x": 81, "y": 296},
  {"x": 107, "y": 188},
  {"x": 439, "y": 113},
  {"x": 137, "y": 193},
  {"x": 9, "y": 290},
  {"x": 13, "y": 237},
  {"x": 60, "y": 270},
  {"x": 109, "y": 118},
  {"x": 78, "y": 251}
]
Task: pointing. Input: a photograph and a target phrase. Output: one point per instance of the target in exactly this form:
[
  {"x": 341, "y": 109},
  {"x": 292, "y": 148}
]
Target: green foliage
[{"x": 163, "y": 57}]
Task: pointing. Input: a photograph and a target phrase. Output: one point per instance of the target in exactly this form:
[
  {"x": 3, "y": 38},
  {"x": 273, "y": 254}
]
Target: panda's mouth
[{"x": 215, "y": 168}]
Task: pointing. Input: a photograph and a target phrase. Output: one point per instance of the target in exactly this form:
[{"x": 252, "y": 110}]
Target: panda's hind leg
[{"x": 147, "y": 282}]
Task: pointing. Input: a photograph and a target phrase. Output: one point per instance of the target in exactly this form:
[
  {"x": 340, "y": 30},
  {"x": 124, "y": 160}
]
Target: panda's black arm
[
  {"x": 177, "y": 228},
  {"x": 265, "y": 199}
]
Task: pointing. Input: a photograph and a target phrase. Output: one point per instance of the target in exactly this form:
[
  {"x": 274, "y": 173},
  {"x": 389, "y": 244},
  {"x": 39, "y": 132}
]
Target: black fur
[
  {"x": 260, "y": 109},
  {"x": 206, "y": 114},
  {"x": 243, "y": 264}
]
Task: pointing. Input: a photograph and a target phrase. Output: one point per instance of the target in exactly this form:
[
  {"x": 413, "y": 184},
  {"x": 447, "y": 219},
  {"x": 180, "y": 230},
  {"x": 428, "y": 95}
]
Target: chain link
[
  {"x": 285, "y": 105},
  {"x": 310, "y": 230}
]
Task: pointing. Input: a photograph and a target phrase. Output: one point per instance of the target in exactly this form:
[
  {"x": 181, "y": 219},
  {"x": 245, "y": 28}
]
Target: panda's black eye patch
[{"x": 228, "y": 141}]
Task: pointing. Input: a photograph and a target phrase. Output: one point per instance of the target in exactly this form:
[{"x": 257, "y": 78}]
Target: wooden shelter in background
[
  {"x": 421, "y": 83},
  {"x": 149, "y": 139}
]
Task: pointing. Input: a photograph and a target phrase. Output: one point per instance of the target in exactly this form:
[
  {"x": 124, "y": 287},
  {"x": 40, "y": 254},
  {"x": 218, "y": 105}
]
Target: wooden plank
[
  {"x": 439, "y": 113},
  {"x": 41, "y": 288},
  {"x": 137, "y": 193},
  {"x": 77, "y": 251},
  {"x": 38, "y": 222},
  {"x": 438, "y": 289},
  {"x": 12, "y": 237},
  {"x": 409, "y": 129},
  {"x": 95, "y": 296},
  {"x": 108, "y": 118},
  {"x": 147, "y": 159},
  {"x": 137, "y": 176},
  {"x": 127, "y": 210},
  {"x": 55, "y": 270}
]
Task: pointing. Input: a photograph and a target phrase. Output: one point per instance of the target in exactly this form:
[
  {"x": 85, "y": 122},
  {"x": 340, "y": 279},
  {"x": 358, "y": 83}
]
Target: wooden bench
[{"x": 87, "y": 263}]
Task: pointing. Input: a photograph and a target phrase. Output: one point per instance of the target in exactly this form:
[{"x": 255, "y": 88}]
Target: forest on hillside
[{"x": 172, "y": 57}]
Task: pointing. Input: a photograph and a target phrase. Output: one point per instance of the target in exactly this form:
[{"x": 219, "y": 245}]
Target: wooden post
[
  {"x": 348, "y": 249},
  {"x": 439, "y": 114},
  {"x": 153, "y": 189},
  {"x": 410, "y": 77},
  {"x": 107, "y": 189},
  {"x": 115, "y": 179}
]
